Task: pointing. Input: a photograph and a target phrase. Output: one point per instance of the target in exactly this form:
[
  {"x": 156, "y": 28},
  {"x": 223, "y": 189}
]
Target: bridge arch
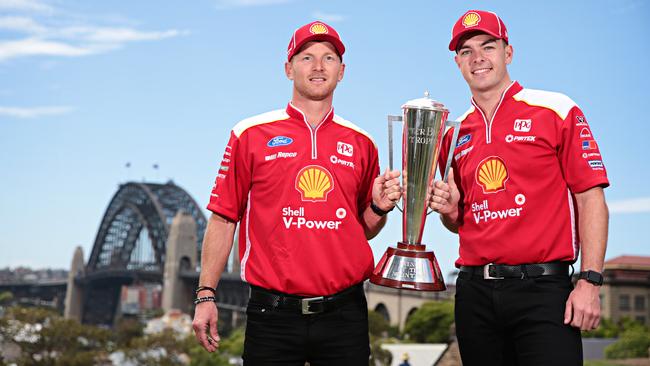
[
  {"x": 383, "y": 311},
  {"x": 131, "y": 244},
  {"x": 140, "y": 213}
]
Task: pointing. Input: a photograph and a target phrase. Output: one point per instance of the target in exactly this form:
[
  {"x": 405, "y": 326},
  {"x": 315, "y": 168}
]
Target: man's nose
[{"x": 318, "y": 64}]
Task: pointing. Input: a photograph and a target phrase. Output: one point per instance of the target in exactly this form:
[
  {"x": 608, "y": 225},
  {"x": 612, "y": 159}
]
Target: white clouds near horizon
[
  {"x": 26, "y": 5},
  {"x": 34, "y": 112},
  {"x": 69, "y": 40},
  {"x": 225, "y": 4},
  {"x": 632, "y": 205},
  {"x": 328, "y": 17}
]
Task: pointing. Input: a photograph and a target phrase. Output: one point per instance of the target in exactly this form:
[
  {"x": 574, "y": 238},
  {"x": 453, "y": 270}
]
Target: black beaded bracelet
[
  {"x": 201, "y": 288},
  {"x": 199, "y": 300}
]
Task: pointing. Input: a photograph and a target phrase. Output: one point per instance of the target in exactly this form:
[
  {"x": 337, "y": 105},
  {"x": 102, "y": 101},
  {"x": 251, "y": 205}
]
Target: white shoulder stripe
[
  {"x": 268, "y": 117},
  {"x": 467, "y": 113},
  {"x": 343, "y": 122},
  {"x": 557, "y": 102}
]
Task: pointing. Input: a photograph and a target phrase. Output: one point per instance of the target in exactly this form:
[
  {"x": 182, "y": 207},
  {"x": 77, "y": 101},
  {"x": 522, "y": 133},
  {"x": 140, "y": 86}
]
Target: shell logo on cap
[
  {"x": 318, "y": 28},
  {"x": 314, "y": 183},
  {"x": 471, "y": 19},
  {"x": 492, "y": 174}
]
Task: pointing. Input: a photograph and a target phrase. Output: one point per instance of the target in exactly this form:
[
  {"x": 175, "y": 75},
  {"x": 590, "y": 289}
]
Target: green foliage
[
  {"x": 163, "y": 349},
  {"x": 431, "y": 322},
  {"x": 234, "y": 343},
  {"x": 127, "y": 330},
  {"x": 378, "y": 355},
  {"x": 611, "y": 329},
  {"x": 633, "y": 343},
  {"x": 201, "y": 357},
  {"x": 6, "y": 297},
  {"x": 47, "y": 339},
  {"x": 377, "y": 325}
]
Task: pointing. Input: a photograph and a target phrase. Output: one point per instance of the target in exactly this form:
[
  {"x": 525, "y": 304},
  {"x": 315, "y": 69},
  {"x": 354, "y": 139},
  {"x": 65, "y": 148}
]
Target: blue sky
[{"x": 87, "y": 86}]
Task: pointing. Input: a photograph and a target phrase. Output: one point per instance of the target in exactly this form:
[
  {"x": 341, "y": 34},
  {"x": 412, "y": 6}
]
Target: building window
[
  {"x": 624, "y": 302},
  {"x": 640, "y": 319},
  {"x": 639, "y": 302}
]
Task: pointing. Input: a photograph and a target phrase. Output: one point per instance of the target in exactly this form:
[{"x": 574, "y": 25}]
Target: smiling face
[
  {"x": 315, "y": 71},
  {"x": 482, "y": 60}
]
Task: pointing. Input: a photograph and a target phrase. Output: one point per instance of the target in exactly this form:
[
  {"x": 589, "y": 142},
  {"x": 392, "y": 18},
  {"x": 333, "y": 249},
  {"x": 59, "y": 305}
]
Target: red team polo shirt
[
  {"x": 518, "y": 174},
  {"x": 299, "y": 193}
]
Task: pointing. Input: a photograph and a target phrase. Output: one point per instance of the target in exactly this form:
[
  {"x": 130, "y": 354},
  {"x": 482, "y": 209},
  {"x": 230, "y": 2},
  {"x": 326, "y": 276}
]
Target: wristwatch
[
  {"x": 378, "y": 211},
  {"x": 593, "y": 277}
]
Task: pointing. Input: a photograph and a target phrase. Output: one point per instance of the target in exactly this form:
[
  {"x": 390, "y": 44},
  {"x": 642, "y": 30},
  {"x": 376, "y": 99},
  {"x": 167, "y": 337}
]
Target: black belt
[
  {"x": 306, "y": 305},
  {"x": 501, "y": 271}
]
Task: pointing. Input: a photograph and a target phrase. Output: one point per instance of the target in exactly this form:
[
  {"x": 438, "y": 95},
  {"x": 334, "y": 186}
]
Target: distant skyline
[{"x": 89, "y": 87}]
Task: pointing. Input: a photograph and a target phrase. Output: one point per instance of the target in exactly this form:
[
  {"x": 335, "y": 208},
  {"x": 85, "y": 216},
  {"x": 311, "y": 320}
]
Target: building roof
[{"x": 628, "y": 262}]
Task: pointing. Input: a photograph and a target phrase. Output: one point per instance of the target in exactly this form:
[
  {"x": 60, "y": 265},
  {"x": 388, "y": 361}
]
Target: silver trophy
[{"x": 409, "y": 265}]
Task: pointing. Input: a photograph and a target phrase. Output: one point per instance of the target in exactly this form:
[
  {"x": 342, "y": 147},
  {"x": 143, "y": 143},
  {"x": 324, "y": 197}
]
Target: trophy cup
[{"x": 410, "y": 266}]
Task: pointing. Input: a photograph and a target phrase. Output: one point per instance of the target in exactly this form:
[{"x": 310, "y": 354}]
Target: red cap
[
  {"x": 314, "y": 31},
  {"x": 478, "y": 21}
]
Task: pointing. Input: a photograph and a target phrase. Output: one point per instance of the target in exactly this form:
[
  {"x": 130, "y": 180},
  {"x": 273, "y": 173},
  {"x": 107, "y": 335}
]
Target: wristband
[
  {"x": 378, "y": 211},
  {"x": 199, "y": 300},
  {"x": 201, "y": 288}
]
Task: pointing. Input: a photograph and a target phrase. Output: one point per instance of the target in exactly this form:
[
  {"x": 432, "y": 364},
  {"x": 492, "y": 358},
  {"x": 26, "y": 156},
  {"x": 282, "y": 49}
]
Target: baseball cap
[
  {"x": 314, "y": 31},
  {"x": 478, "y": 21}
]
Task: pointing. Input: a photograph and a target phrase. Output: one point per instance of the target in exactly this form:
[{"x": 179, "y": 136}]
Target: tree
[
  {"x": 47, "y": 339},
  {"x": 633, "y": 343},
  {"x": 377, "y": 324},
  {"x": 431, "y": 322}
]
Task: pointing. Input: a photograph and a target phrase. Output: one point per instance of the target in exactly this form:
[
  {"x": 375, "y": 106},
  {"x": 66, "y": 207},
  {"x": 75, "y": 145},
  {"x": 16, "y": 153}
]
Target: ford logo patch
[
  {"x": 463, "y": 140},
  {"x": 279, "y": 141}
]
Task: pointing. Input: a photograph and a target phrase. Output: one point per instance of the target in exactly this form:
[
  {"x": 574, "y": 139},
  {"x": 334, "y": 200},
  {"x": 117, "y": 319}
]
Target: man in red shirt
[
  {"x": 303, "y": 184},
  {"x": 525, "y": 195}
]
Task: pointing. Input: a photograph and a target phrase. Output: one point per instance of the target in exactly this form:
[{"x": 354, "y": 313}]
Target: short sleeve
[
  {"x": 580, "y": 159},
  {"x": 230, "y": 192}
]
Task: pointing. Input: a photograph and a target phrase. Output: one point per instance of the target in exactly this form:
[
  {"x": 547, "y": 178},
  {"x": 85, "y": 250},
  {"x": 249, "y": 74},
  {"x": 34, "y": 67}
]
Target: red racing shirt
[
  {"x": 517, "y": 175},
  {"x": 299, "y": 194}
]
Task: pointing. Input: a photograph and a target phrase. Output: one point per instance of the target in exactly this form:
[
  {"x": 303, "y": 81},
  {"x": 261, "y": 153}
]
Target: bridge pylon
[
  {"x": 74, "y": 293},
  {"x": 181, "y": 255}
]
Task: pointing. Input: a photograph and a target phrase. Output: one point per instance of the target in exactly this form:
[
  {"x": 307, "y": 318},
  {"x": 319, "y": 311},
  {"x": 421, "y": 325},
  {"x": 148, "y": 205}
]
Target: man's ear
[
  {"x": 509, "y": 54},
  {"x": 288, "y": 70}
]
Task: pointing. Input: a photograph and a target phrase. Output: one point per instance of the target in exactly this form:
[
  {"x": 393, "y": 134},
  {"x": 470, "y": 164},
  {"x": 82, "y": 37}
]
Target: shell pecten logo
[
  {"x": 318, "y": 28},
  {"x": 471, "y": 19},
  {"x": 314, "y": 183},
  {"x": 492, "y": 174}
]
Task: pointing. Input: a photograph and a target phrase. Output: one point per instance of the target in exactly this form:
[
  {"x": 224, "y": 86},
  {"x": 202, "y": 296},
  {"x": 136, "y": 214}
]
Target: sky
[{"x": 89, "y": 86}]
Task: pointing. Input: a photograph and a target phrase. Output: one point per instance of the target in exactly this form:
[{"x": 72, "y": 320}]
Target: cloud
[
  {"x": 633, "y": 205},
  {"x": 21, "y": 24},
  {"x": 328, "y": 18},
  {"x": 224, "y": 4},
  {"x": 26, "y": 5},
  {"x": 34, "y": 112},
  {"x": 38, "y": 47},
  {"x": 65, "y": 37}
]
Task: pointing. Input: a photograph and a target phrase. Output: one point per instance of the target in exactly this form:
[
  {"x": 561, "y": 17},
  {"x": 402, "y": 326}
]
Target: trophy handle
[
  {"x": 452, "y": 147},
  {"x": 392, "y": 119}
]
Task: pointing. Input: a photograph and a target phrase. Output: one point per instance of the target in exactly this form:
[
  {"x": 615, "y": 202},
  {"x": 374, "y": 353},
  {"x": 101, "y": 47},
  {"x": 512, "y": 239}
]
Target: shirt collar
[{"x": 296, "y": 113}]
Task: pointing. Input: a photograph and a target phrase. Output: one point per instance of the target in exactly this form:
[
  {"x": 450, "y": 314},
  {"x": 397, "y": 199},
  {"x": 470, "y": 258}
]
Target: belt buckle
[
  {"x": 306, "y": 302},
  {"x": 486, "y": 273}
]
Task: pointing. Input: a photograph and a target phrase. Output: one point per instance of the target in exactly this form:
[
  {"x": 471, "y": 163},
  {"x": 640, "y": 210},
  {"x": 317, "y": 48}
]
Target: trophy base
[{"x": 409, "y": 267}]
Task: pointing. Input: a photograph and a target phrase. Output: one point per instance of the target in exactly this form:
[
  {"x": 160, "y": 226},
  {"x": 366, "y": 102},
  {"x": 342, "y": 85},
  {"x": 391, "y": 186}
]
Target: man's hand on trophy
[
  {"x": 444, "y": 197},
  {"x": 386, "y": 190}
]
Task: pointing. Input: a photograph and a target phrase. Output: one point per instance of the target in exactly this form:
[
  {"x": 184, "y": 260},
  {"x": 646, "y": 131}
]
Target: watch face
[{"x": 594, "y": 277}]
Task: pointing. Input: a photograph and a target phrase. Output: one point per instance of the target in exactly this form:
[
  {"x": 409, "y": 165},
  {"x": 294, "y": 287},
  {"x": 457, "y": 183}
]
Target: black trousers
[
  {"x": 284, "y": 337},
  {"x": 515, "y": 322}
]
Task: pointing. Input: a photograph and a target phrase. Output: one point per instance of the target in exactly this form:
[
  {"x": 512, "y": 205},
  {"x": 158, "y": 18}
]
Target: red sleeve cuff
[{"x": 219, "y": 210}]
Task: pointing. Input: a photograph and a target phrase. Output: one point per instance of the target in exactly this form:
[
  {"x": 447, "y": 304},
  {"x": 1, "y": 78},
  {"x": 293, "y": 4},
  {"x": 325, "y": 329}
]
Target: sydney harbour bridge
[
  {"x": 152, "y": 233},
  {"x": 149, "y": 233}
]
